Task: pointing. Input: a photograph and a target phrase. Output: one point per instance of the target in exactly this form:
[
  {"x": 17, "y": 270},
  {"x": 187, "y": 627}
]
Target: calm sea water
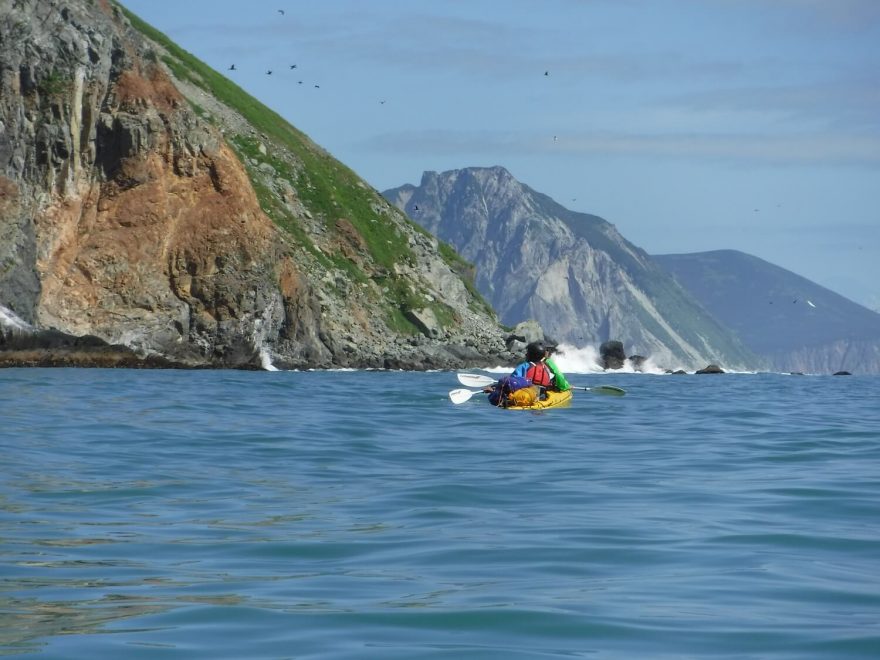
[{"x": 205, "y": 514}]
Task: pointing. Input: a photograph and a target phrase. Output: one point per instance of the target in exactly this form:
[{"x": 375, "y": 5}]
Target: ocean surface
[{"x": 219, "y": 514}]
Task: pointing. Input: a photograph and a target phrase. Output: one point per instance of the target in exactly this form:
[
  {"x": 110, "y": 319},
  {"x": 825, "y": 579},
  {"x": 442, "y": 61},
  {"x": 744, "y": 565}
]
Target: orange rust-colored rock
[{"x": 134, "y": 90}]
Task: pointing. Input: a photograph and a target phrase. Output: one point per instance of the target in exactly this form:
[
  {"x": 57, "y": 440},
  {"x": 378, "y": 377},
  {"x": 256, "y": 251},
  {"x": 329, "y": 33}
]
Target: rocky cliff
[
  {"x": 572, "y": 272},
  {"x": 149, "y": 203}
]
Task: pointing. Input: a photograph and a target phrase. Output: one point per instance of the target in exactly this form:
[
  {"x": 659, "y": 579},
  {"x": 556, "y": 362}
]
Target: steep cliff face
[
  {"x": 140, "y": 205},
  {"x": 572, "y": 272}
]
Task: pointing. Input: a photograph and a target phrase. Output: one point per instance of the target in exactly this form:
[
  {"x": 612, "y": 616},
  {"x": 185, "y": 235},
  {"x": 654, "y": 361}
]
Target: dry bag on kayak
[
  {"x": 524, "y": 397},
  {"x": 510, "y": 389}
]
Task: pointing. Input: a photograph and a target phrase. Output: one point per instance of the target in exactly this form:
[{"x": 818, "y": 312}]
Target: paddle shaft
[{"x": 478, "y": 380}]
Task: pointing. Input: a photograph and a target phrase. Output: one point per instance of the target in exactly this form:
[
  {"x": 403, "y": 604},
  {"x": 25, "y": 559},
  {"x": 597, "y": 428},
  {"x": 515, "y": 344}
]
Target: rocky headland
[{"x": 152, "y": 214}]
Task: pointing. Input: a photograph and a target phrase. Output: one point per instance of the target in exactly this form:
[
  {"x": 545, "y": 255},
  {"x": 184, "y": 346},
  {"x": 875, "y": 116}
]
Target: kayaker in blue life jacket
[
  {"x": 534, "y": 368},
  {"x": 540, "y": 368}
]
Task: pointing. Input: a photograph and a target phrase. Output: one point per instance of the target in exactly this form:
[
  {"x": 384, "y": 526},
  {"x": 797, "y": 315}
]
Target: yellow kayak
[{"x": 553, "y": 400}]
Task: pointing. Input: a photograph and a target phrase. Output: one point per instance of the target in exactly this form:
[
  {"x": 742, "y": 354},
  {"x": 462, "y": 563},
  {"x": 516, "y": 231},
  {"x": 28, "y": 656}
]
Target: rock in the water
[
  {"x": 612, "y": 355},
  {"x": 637, "y": 362}
]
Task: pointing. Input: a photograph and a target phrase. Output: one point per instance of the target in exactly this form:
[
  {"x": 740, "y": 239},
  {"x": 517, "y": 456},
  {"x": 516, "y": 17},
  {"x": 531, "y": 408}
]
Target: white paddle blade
[
  {"x": 460, "y": 396},
  {"x": 476, "y": 380}
]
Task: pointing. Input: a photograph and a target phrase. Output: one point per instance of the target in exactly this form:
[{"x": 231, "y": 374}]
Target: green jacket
[{"x": 558, "y": 377}]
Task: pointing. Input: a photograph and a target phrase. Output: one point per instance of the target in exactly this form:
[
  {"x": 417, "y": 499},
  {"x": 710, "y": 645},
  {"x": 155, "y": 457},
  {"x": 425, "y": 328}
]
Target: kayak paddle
[
  {"x": 460, "y": 396},
  {"x": 477, "y": 380}
]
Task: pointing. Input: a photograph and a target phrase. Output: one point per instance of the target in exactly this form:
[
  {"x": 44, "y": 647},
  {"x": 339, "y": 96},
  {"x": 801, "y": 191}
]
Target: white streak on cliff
[{"x": 9, "y": 320}]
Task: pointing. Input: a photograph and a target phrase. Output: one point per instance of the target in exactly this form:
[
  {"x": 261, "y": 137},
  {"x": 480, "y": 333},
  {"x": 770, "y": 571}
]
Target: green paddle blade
[{"x": 611, "y": 390}]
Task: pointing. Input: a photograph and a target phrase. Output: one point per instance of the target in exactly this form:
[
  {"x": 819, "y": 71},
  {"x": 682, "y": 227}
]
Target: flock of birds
[{"x": 269, "y": 72}]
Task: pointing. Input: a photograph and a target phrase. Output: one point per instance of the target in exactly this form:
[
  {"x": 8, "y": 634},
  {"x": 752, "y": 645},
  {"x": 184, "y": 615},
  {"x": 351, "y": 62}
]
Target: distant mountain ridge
[
  {"x": 795, "y": 324},
  {"x": 572, "y": 272}
]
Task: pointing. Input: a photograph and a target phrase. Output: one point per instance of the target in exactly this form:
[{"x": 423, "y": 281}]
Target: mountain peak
[{"x": 482, "y": 174}]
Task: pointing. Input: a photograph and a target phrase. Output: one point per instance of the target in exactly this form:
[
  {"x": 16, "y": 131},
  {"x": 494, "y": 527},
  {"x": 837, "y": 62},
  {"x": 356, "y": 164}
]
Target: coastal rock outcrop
[{"x": 51, "y": 348}]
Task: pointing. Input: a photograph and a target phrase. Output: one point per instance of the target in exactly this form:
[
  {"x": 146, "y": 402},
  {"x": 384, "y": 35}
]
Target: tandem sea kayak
[{"x": 554, "y": 400}]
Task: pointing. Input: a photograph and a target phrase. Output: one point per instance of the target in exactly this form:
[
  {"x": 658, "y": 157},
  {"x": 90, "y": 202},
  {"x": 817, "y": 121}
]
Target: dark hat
[{"x": 535, "y": 351}]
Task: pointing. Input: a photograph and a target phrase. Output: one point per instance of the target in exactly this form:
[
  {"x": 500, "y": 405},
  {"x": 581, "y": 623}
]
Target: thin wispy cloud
[
  {"x": 846, "y": 106},
  {"x": 838, "y": 15},
  {"x": 754, "y": 149}
]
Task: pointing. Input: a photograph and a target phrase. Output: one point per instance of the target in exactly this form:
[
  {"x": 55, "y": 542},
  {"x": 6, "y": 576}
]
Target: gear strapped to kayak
[{"x": 513, "y": 390}]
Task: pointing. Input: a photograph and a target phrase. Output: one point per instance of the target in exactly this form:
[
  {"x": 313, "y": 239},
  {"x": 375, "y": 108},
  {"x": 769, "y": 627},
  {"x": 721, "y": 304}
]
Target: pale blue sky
[{"x": 690, "y": 124}]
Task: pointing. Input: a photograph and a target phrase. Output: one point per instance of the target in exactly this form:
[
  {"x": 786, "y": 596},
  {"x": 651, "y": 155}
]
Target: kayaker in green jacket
[{"x": 559, "y": 381}]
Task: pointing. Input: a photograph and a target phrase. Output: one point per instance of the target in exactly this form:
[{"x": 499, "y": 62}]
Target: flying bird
[
  {"x": 269, "y": 72},
  {"x": 281, "y": 11},
  {"x": 546, "y": 73},
  {"x": 232, "y": 68},
  {"x": 293, "y": 66}
]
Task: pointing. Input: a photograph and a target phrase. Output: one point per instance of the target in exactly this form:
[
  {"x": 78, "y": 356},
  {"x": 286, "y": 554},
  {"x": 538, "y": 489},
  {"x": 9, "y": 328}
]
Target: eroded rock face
[
  {"x": 126, "y": 215},
  {"x": 136, "y": 220}
]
